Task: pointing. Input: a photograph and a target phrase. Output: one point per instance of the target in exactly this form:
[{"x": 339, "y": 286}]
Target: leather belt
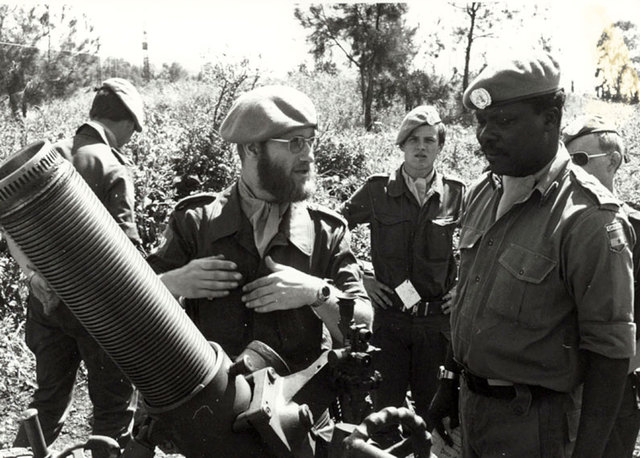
[
  {"x": 427, "y": 308},
  {"x": 500, "y": 389}
]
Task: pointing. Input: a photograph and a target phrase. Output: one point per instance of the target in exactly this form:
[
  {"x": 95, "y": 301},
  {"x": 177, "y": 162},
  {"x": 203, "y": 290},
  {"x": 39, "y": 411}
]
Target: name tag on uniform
[{"x": 408, "y": 294}]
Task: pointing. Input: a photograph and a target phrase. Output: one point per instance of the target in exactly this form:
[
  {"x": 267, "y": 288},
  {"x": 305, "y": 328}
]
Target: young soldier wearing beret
[
  {"x": 543, "y": 313},
  {"x": 595, "y": 145},
  {"x": 412, "y": 214},
  {"x": 57, "y": 339},
  {"x": 257, "y": 262}
]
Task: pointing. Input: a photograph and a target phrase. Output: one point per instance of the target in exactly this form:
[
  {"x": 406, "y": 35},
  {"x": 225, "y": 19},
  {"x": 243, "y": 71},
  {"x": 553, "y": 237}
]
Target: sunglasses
[
  {"x": 297, "y": 144},
  {"x": 582, "y": 157}
]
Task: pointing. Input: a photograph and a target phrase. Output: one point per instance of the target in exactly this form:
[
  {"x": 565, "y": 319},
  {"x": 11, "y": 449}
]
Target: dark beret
[
  {"x": 419, "y": 116},
  {"x": 513, "y": 78},
  {"x": 130, "y": 97},
  {"x": 267, "y": 112}
]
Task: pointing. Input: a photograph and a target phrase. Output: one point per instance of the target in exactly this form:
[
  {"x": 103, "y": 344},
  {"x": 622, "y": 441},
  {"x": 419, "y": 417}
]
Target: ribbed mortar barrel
[{"x": 55, "y": 218}]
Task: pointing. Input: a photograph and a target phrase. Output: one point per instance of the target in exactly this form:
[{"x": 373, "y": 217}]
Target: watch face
[{"x": 325, "y": 292}]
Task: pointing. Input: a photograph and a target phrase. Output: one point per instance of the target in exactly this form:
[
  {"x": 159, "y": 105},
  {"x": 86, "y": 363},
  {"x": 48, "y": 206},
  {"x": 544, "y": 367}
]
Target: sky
[{"x": 192, "y": 32}]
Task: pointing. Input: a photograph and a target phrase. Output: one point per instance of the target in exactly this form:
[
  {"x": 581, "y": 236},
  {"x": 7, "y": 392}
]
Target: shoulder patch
[
  {"x": 196, "y": 199},
  {"x": 326, "y": 212},
  {"x": 615, "y": 233},
  {"x": 603, "y": 197}
]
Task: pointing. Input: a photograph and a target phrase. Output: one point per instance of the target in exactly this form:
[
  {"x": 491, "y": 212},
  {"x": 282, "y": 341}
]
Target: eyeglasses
[
  {"x": 297, "y": 144},
  {"x": 582, "y": 157}
]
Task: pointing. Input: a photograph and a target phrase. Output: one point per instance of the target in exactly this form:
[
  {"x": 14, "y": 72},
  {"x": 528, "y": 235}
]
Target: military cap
[
  {"x": 419, "y": 116},
  {"x": 267, "y": 112},
  {"x": 586, "y": 125},
  {"x": 129, "y": 96},
  {"x": 516, "y": 77}
]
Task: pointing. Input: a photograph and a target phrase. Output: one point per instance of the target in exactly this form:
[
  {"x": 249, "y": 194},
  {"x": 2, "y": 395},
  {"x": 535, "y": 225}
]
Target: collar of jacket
[
  {"x": 228, "y": 217},
  {"x": 396, "y": 185},
  {"x": 104, "y": 134}
]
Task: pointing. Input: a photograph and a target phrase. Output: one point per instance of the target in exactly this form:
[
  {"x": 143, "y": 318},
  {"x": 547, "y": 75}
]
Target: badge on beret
[
  {"x": 433, "y": 117},
  {"x": 480, "y": 98},
  {"x": 617, "y": 240}
]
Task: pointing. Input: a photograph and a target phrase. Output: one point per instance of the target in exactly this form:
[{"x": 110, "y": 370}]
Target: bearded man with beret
[
  {"x": 54, "y": 335},
  {"x": 257, "y": 262},
  {"x": 412, "y": 213},
  {"x": 542, "y": 325}
]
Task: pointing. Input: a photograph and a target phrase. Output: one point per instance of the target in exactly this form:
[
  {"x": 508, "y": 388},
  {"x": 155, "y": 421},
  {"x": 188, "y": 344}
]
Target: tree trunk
[{"x": 472, "y": 11}]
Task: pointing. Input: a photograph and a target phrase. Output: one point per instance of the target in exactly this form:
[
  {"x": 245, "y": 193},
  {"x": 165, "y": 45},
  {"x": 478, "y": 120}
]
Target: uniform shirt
[
  {"x": 94, "y": 154},
  {"x": 409, "y": 241},
  {"x": 310, "y": 239},
  {"x": 551, "y": 277}
]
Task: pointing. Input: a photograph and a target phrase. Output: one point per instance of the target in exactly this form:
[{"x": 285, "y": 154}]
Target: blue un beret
[
  {"x": 267, "y": 112},
  {"x": 514, "y": 78}
]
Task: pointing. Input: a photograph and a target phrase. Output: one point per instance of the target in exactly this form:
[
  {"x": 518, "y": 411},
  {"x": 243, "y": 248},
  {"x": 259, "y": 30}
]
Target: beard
[{"x": 282, "y": 184}]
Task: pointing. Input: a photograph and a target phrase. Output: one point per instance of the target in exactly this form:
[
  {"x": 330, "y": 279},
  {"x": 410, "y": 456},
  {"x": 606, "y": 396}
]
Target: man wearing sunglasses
[
  {"x": 412, "y": 213},
  {"x": 257, "y": 262},
  {"x": 596, "y": 145},
  {"x": 542, "y": 325}
]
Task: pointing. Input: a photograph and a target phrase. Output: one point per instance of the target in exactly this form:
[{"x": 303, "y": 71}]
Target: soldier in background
[
  {"x": 54, "y": 335},
  {"x": 412, "y": 213},
  {"x": 596, "y": 145}
]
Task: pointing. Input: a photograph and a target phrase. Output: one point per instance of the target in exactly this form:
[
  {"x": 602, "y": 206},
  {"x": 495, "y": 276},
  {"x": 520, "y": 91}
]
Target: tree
[
  {"x": 617, "y": 77},
  {"x": 373, "y": 37},
  {"x": 631, "y": 37},
  {"x": 481, "y": 18},
  {"x": 45, "y": 52}
]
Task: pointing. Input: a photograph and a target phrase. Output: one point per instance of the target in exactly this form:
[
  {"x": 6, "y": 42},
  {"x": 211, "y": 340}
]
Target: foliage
[
  {"x": 28, "y": 74},
  {"x": 372, "y": 37},
  {"x": 617, "y": 77}
]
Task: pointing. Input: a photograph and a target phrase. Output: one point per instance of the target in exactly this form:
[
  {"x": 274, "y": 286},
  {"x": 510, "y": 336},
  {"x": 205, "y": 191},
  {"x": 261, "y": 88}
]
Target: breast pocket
[
  {"x": 392, "y": 232},
  {"x": 520, "y": 292},
  {"x": 438, "y": 239}
]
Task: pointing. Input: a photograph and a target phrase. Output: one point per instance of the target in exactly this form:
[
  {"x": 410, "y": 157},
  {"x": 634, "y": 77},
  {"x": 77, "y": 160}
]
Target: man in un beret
[
  {"x": 258, "y": 262},
  {"x": 595, "y": 144},
  {"x": 543, "y": 318},
  {"x": 56, "y": 338},
  {"x": 412, "y": 213}
]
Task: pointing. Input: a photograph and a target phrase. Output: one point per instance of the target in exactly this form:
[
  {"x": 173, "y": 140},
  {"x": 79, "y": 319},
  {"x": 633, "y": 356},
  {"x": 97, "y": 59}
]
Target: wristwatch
[
  {"x": 322, "y": 296},
  {"x": 444, "y": 374}
]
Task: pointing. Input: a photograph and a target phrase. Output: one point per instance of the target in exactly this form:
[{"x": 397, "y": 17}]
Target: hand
[
  {"x": 444, "y": 404},
  {"x": 41, "y": 290},
  {"x": 379, "y": 293},
  {"x": 450, "y": 298},
  {"x": 285, "y": 288},
  {"x": 209, "y": 277}
]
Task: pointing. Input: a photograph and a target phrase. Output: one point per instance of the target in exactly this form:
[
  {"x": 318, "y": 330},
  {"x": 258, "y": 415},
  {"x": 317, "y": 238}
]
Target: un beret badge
[{"x": 480, "y": 98}]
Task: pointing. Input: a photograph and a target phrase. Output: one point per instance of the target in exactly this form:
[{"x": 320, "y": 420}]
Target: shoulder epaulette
[
  {"x": 453, "y": 179},
  {"x": 326, "y": 212},
  {"x": 378, "y": 176},
  {"x": 603, "y": 197},
  {"x": 121, "y": 157},
  {"x": 632, "y": 211},
  {"x": 202, "y": 198}
]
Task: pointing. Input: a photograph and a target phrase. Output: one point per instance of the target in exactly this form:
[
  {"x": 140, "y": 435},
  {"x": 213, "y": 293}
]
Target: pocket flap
[
  {"x": 388, "y": 218},
  {"x": 525, "y": 264}
]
